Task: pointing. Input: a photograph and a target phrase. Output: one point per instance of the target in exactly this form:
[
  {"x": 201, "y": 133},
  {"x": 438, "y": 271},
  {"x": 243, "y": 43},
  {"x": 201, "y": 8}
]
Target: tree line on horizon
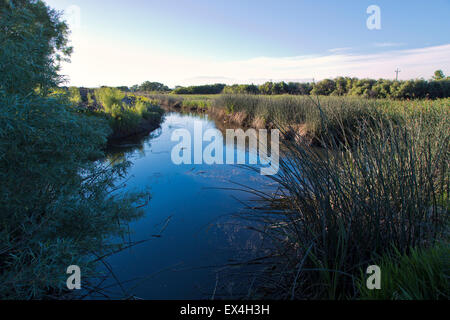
[{"x": 437, "y": 87}]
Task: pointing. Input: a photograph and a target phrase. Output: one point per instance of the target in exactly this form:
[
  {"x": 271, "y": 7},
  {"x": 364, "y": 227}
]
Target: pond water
[{"x": 194, "y": 215}]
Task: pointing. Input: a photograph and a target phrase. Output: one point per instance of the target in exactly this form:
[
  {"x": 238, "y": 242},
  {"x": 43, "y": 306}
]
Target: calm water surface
[{"x": 193, "y": 215}]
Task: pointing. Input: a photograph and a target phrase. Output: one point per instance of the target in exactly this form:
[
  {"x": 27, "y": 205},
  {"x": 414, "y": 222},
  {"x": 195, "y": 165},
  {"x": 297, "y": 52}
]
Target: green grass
[
  {"x": 126, "y": 113},
  {"x": 423, "y": 274},
  {"x": 336, "y": 115},
  {"x": 75, "y": 96},
  {"x": 108, "y": 97},
  {"x": 187, "y": 102}
]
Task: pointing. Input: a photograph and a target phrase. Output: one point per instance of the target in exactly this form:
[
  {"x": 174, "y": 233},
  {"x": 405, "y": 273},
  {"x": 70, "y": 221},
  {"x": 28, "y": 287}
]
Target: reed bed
[
  {"x": 339, "y": 210},
  {"x": 300, "y": 113}
]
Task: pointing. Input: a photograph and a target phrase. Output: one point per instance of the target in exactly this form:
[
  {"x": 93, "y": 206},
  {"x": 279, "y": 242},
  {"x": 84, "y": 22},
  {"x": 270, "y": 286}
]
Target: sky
[{"x": 193, "y": 42}]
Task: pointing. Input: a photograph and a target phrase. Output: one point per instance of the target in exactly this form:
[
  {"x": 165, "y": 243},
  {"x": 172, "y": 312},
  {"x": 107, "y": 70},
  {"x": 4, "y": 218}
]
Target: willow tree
[{"x": 57, "y": 205}]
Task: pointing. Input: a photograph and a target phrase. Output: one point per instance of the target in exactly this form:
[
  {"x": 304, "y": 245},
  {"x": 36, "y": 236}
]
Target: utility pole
[{"x": 396, "y": 72}]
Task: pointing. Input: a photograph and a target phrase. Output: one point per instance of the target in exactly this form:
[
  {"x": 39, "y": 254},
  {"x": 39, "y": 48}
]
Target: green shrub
[
  {"x": 108, "y": 97},
  {"x": 341, "y": 86},
  {"x": 123, "y": 119},
  {"x": 75, "y": 96},
  {"x": 32, "y": 42},
  {"x": 59, "y": 92},
  {"x": 205, "y": 89},
  {"x": 57, "y": 205},
  {"x": 148, "y": 86},
  {"x": 90, "y": 99},
  {"x": 148, "y": 111},
  {"x": 126, "y": 113},
  {"x": 142, "y": 108},
  {"x": 324, "y": 88}
]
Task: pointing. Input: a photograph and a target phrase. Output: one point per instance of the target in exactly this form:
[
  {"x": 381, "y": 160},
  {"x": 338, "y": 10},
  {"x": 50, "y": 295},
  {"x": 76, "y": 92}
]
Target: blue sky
[{"x": 198, "y": 41}]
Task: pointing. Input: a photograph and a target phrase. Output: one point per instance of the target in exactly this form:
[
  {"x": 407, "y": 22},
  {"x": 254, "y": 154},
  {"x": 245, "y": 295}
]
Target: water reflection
[{"x": 190, "y": 209}]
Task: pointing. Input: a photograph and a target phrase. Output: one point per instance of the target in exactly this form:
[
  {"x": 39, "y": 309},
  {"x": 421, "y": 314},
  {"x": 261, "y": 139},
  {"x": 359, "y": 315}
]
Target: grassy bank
[
  {"x": 126, "y": 113},
  {"x": 313, "y": 119}
]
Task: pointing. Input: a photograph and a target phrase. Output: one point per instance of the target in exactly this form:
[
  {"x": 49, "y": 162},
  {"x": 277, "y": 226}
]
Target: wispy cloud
[
  {"x": 389, "y": 44},
  {"x": 340, "y": 50},
  {"x": 98, "y": 62}
]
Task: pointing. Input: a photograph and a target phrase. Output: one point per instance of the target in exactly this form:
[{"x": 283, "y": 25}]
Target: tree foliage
[
  {"x": 344, "y": 86},
  {"x": 148, "y": 86},
  {"x": 33, "y": 41},
  {"x": 57, "y": 204},
  {"x": 205, "y": 89},
  {"x": 438, "y": 75}
]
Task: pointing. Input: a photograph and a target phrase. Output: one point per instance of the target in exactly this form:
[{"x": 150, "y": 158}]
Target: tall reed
[{"x": 339, "y": 208}]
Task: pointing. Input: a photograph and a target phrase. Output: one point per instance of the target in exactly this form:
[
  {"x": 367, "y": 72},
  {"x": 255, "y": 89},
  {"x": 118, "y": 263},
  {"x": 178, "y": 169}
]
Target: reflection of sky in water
[{"x": 201, "y": 231}]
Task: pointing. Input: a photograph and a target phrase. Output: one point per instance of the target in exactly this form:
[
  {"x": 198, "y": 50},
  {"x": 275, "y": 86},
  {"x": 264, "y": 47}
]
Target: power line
[{"x": 397, "y": 72}]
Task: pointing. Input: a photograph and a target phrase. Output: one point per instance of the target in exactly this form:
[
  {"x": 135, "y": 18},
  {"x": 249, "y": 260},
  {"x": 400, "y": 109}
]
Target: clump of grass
[
  {"x": 340, "y": 207},
  {"x": 423, "y": 274},
  {"x": 186, "y": 102},
  {"x": 123, "y": 119},
  {"x": 90, "y": 99},
  {"x": 108, "y": 97},
  {"x": 75, "y": 96},
  {"x": 166, "y": 100},
  {"x": 196, "y": 104},
  {"x": 126, "y": 113}
]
